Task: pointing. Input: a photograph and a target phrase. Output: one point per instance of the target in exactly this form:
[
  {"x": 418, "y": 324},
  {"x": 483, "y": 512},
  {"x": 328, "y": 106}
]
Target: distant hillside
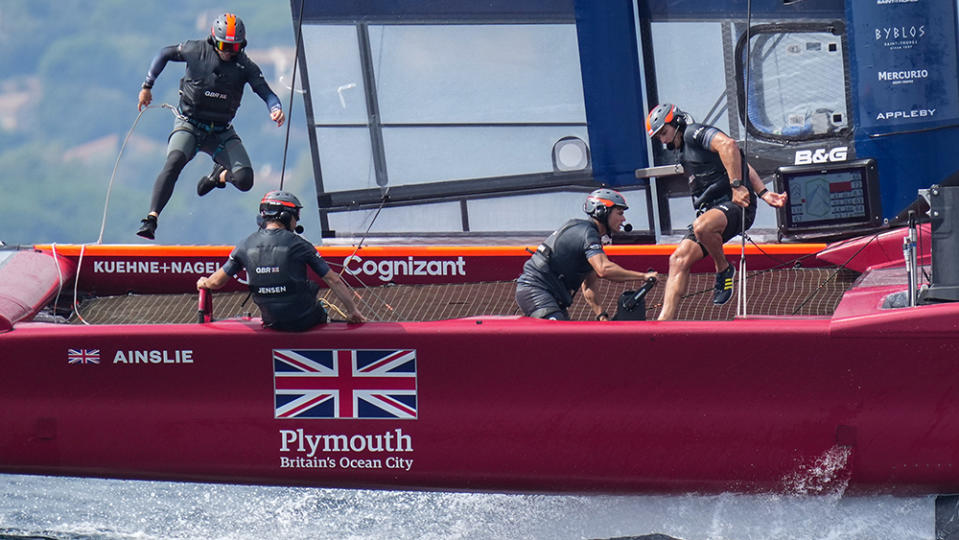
[{"x": 69, "y": 79}]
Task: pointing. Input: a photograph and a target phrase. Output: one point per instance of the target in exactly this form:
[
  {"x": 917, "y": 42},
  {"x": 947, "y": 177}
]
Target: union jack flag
[
  {"x": 314, "y": 383},
  {"x": 83, "y": 356}
]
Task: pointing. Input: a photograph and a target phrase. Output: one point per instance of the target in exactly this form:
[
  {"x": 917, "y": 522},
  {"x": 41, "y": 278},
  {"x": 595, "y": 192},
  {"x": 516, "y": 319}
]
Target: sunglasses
[{"x": 225, "y": 46}]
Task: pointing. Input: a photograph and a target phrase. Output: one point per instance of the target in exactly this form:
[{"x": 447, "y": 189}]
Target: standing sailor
[
  {"x": 210, "y": 92},
  {"x": 724, "y": 190}
]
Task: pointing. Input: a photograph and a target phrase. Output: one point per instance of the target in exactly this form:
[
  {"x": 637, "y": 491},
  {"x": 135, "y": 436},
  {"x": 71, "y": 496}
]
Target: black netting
[{"x": 794, "y": 291}]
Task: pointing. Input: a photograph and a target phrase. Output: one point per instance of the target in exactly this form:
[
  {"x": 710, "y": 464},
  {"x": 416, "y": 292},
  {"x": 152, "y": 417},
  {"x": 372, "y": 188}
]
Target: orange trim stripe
[
  {"x": 140, "y": 250},
  {"x": 231, "y": 26}
]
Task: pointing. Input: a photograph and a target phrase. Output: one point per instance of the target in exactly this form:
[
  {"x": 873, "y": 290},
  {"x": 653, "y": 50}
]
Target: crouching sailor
[
  {"x": 276, "y": 261},
  {"x": 573, "y": 258}
]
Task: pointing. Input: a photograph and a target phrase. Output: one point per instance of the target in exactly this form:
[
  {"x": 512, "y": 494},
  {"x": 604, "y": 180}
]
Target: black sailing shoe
[
  {"x": 724, "y": 286},
  {"x": 148, "y": 227},
  {"x": 207, "y": 183}
]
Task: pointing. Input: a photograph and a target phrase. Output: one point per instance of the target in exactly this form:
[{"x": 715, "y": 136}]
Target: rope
[
  {"x": 56, "y": 300},
  {"x": 371, "y": 303},
  {"x": 106, "y": 203},
  {"x": 76, "y": 281},
  {"x": 116, "y": 165},
  {"x": 834, "y": 274}
]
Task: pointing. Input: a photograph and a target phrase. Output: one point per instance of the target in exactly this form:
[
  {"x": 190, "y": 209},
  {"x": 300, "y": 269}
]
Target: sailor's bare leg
[
  {"x": 708, "y": 229},
  {"x": 686, "y": 254}
]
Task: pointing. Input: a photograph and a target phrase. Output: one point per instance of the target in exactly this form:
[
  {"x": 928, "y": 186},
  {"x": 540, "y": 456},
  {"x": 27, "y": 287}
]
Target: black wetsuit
[
  {"x": 210, "y": 94},
  {"x": 276, "y": 262},
  {"x": 553, "y": 274},
  {"x": 709, "y": 182}
]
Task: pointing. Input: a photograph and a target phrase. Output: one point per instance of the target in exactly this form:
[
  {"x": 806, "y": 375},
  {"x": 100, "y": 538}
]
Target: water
[{"x": 77, "y": 508}]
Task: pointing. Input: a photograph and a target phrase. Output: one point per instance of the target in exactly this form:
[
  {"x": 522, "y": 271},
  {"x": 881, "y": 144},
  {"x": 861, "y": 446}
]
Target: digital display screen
[
  {"x": 830, "y": 198},
  {"x": 826, "y": 197}
]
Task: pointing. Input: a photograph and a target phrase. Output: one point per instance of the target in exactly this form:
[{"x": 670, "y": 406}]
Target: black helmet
[
  {"x": 228, "y": 33},
  {"x": 600, "y": 202},
  {"x": 663, "y": 114},
  {"x": 281, "y": 206}
]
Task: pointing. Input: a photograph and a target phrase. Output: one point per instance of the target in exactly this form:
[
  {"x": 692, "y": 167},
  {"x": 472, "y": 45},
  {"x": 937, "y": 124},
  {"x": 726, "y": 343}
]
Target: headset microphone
[
  {"x": 627, "y": 227},
  {"x": 299, "y": 229}
]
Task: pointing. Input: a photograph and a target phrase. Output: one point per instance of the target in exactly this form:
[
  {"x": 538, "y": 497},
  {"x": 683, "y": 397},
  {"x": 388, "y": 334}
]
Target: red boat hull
[
  {"x": 864, "y": 401},
  {"x": 519, "y": 405}
]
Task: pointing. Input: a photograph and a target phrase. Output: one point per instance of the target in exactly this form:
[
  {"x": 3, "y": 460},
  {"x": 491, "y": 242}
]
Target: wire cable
[
  {"x": 356, "y": 249},
  {"x": 289, "y": 114},
  {"x": 741, "y": 310}
]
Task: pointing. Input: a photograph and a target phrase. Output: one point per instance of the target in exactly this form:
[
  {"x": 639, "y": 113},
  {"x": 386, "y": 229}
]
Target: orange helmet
[
  {"x": 663, "y": 114},
  {"x": 228, "y": 33},
  {"x": 600, "y": 202}
]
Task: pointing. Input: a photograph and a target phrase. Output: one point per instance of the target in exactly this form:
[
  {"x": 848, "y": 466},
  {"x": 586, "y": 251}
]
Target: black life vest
[
  {"x": 279, "y": 283},
  {"x": 211, "y": 89}
]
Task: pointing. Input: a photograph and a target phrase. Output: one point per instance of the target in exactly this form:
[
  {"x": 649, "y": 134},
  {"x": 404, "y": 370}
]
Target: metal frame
[{"x": 462, "y": 189}]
